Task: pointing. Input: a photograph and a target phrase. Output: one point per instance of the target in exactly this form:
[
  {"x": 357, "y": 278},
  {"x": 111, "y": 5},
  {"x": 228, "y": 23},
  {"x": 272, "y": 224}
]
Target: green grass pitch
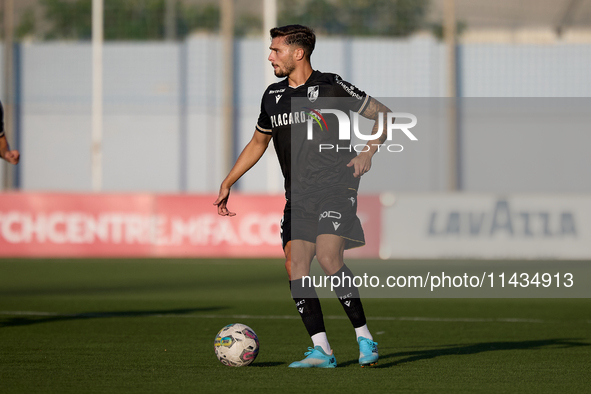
[{"x": 148, "y": 326}]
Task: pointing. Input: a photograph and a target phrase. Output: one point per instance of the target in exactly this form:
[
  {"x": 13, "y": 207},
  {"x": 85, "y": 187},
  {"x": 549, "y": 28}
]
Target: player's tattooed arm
[{"x": 373, "y": 110}]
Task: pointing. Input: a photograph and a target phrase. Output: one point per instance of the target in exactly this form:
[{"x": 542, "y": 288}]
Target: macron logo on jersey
[{"x": 277, "y": 98}]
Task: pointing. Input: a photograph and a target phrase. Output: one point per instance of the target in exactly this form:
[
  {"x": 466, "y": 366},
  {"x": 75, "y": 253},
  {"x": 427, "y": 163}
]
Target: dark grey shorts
[{"x": 323, "y": 213}]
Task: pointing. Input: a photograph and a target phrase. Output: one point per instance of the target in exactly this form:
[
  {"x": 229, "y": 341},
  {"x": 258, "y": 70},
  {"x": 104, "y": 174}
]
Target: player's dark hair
[{"x": 298, "y": 35}]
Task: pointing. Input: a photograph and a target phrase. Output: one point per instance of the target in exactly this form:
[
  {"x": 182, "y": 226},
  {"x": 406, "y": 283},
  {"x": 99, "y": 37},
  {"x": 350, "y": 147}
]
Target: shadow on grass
[
  {"x": 25, "y": 320},
  {"x": 268, "y": 364},
  {"x": 107, "y": 289},
  {"x": 397, "y": 358}
]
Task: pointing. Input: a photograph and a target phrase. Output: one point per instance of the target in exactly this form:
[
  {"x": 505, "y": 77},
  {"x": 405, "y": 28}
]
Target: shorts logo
[
  {"x": 329, "y": 214},
  {"x": 336, "y": 225},
  {"x": 313, "y": 93},
  {"x": 352, "y": 199},
  {"x": 348, "y": 303}
]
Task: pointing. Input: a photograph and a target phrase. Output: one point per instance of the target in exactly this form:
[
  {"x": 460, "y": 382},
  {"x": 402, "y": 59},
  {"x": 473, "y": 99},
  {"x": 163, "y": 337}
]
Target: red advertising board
[{"x": 146, "y": 225}]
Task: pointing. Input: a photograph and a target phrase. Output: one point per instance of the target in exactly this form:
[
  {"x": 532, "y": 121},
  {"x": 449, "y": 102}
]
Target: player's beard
[{"x": 284, "y": 71}]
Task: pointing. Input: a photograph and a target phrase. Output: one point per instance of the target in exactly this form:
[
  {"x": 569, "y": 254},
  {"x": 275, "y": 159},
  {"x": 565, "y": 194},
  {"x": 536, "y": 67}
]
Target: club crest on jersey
[{"x": 313, "y": 93}]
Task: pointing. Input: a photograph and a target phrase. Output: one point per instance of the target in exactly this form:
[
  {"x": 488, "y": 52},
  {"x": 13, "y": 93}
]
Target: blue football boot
[
  {"x": 368, "y": 352},
  {"x": 316, "y": 358}
]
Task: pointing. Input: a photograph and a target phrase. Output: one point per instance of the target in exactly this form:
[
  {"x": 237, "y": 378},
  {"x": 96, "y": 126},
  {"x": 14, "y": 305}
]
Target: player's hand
[
  {"x": 222, "y": 201},
  {"x": 361, "y": 163},
  {"x": 12, "y": 156}
]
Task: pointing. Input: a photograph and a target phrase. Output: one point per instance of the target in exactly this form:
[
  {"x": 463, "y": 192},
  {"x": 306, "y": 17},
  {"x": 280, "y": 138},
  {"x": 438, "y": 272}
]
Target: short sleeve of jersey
[
  {"x": 356, "y": 99},
  {"x": 264, "y": 122}
]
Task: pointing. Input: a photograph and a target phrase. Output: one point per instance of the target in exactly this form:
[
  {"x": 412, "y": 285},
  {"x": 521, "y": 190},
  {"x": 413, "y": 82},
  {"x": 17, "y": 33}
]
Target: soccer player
[
  {"x": 320, "y": 190},
  {"x": 11, "y": 156}
]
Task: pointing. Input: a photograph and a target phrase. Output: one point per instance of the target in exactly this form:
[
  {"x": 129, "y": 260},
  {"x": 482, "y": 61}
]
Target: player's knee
[
  {"x": 326, "y": 258},
  {"x": 300, "y": 266},
  {"x": 330, "y": 262},
  {"x": 300, "y": 261}
]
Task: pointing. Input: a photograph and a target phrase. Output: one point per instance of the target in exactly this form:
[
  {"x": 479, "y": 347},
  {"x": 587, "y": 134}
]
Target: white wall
[{"x": 143, "y": 98}]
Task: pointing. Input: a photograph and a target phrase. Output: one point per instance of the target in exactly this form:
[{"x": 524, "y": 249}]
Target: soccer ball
[{"x": 236, "y": 345}]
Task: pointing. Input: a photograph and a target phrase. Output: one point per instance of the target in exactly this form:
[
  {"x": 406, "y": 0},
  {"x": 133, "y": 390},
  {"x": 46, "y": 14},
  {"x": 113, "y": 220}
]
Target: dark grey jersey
[{"x": 314, "y": 171}]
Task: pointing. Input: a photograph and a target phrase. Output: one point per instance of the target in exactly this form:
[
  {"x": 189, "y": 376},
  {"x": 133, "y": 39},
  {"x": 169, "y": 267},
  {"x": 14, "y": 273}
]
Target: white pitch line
[
  {"x": 377, "y": 318},
  {"x": 32, "y": 313},
  {"x": 273, "y": 317}
]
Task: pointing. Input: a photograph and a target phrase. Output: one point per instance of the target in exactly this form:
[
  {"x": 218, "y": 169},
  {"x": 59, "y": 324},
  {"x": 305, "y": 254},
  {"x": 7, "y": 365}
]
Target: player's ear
[{"x": 299, "y": 53}]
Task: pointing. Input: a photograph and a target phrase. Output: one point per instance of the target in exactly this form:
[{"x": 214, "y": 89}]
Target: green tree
[
  {"x": 27, "y": 24},
  {"x": 126, "y": 19},
  {"x": 357, "y": 17},
  {"x": 205, "y": 18},
  {"x": 69, "y": 19},
  {"x": 321, "y": 15}
]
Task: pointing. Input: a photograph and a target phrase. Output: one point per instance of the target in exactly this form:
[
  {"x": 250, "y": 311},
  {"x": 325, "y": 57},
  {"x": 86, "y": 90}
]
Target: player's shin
[
  {"x": 308, "y": 305},
  {"x": 348, "y": 295}
]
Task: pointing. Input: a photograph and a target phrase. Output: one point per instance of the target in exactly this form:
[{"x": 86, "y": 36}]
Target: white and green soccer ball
[{"x": 236, "y": 345}]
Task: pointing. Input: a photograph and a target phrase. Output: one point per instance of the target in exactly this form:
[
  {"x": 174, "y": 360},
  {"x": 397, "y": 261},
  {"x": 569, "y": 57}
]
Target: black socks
[
  {"x": 308, "y": 306},
  {"x": 348, "y": 295}
]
